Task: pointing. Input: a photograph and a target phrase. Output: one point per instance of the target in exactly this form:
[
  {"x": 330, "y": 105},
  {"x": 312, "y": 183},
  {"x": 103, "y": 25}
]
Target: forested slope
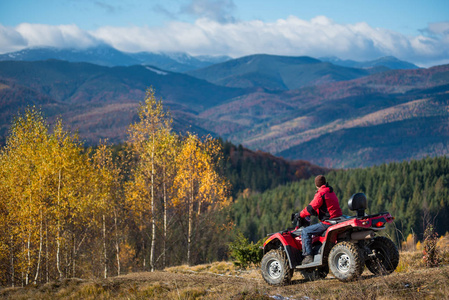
[
  {"x": 256, "y": 171},
  {"x": 414, "y": 192}
]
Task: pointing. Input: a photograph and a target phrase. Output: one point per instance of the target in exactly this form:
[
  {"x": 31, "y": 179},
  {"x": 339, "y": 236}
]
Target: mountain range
[
  {"x": 275, "y": 72},
  {"x": 295, "y": 107},
  {"x": 173, "y": 61},
  {"x": 383, "y": 63},
  {"x": 107, "y": 56}
]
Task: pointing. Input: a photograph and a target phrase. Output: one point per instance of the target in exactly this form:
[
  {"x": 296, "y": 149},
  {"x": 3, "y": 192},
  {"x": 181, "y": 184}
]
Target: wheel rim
[
  {"x": 342, "y": 262},
  {"x": 274, "y": 269}
]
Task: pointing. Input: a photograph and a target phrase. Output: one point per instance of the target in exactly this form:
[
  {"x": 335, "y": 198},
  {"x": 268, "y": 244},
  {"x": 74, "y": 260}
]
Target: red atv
[{"x": 345, "y": 248}]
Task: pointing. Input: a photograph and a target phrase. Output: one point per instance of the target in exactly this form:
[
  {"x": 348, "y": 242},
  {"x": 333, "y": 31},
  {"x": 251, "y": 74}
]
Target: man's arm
[{"x": 311, "y": 209}]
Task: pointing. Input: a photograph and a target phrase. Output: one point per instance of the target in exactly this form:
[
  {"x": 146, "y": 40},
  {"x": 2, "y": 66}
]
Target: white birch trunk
[
  {"x": 40, "y": 252},
  {"x": 165, "y": 221},
  {"x": 117, "y": 245},
  {"x": 189, "y": 235},
  {"x": 153, "y": 223},
  {"x": 58, "y": 230},
  {"x": 12, "y": 261},
  {"x": 27, "y": 275},
  {"x": 105, "y": 257},
  {"x": 46, "y": 253}
]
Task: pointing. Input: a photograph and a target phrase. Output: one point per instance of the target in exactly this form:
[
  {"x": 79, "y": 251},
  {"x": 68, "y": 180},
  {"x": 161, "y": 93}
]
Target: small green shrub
[{"x": 244, "y": 252}]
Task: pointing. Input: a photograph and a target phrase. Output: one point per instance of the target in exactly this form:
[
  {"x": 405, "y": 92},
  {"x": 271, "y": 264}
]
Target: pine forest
[{"x": 416, "y": 193}]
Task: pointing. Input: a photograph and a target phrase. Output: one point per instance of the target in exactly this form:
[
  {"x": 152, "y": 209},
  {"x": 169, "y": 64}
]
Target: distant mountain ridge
[
  {"x": 107, "y": 56},
  {"x": 389, "y": 62},
  {"x": 172, "y": 61},
  {"x": 275, "y": 72}
]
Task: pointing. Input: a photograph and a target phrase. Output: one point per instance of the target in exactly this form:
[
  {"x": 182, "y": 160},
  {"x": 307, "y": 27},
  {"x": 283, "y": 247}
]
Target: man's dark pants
[{"x": 306, "y": 236}]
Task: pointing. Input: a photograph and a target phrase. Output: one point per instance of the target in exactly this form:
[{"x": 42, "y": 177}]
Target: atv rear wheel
[
  {"x": 275, "y": 268},
  {"x": 345, "y": 261},
  {"x": 387, "y": 256},
  {"x": 315, "y": 274}
]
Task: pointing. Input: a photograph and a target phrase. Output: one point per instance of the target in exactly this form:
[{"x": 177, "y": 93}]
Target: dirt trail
[{"x": 204, "y": 283}]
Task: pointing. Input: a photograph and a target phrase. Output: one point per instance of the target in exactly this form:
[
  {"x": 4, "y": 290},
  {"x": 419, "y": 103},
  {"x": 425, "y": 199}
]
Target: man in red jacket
[{"x": 325, "y": 206}]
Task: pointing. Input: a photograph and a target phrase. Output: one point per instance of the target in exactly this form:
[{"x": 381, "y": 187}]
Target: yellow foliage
[
  {"x": 409, "y": 244},
  {"x": 443, "y": 242},
  {"x": 49, "y": 190},
  {"x": 59, "y": 201}
]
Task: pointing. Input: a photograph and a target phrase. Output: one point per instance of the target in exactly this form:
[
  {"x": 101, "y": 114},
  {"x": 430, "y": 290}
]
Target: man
[{"x": 325, "y": 206}]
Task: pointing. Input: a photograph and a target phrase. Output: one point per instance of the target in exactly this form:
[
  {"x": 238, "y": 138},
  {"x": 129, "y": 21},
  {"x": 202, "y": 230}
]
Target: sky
[{"x": 413, "y": 30}]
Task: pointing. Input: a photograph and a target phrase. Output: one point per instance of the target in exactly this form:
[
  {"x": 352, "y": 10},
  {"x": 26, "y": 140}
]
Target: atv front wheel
[
  {"x": 386, "y": 256},
  {"x": 345, "y": 261},
  {"x": 275, "y": 268}
]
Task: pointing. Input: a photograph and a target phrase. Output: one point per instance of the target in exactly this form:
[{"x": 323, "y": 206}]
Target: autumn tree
[
  {"x": 147, "y": 141},
  {"x": 107, "y": 180},
  {"x": 47, "y": 200},
  {"x": 22, "y": 194},
  {"x": 73, "y": 201},
  {"x": 169, "y": 150},
  {"x": 198, "y": 184},
  {"x": 71, "y": 211}
]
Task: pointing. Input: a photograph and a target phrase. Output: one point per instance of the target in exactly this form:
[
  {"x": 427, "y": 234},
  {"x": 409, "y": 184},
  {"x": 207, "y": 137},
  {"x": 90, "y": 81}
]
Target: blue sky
[{"x": 416, "y": 31}]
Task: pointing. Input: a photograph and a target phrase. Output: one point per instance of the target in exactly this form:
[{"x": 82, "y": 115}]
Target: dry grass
[{"x": 222, "y": 280}]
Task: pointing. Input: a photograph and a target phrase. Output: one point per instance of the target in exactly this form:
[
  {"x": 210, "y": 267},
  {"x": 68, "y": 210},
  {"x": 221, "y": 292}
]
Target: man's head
[{"x": 320, "y": 180}]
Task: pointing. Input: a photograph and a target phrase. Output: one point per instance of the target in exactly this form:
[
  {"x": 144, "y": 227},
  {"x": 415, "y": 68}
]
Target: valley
[{"x": 287, "y": 106}]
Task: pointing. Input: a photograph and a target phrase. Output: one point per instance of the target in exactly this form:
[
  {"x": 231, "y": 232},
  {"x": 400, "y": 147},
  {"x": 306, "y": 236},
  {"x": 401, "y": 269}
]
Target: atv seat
[
  {"x": 296, "y": 233},
  {"x": 339, "y": 220}
]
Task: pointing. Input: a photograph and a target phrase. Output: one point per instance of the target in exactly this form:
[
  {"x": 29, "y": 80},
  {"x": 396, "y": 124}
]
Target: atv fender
[{"x": 288, "y": 245}]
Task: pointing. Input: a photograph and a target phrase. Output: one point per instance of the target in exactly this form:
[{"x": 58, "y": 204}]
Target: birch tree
[
  {"x": 145, "y": 139},
  {"x": 199, "y": 187},
  {"x": 22, "y": 192},
  {"x": 107, "y": 183},
  {"x": 46, "y": 200}
]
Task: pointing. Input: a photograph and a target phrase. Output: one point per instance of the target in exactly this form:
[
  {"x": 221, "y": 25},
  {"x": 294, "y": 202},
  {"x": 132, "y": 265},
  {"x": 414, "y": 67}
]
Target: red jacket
[{"x": 324, "y": 205}]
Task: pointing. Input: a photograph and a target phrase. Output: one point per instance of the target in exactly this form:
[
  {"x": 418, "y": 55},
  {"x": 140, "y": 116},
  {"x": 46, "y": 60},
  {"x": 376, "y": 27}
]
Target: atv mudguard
[{"x": 288, "y": 245}]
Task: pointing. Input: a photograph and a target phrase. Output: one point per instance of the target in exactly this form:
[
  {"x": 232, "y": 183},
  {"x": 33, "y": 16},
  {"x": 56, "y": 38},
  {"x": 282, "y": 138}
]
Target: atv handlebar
[{"x": 297, "y": 221}]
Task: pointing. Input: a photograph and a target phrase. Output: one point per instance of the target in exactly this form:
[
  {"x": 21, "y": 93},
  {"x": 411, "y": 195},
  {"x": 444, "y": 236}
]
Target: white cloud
[
  {"x": 10, "y": 40},
  {"x": 318, "y": 37},
  {"x": 56, "y": 36}
]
